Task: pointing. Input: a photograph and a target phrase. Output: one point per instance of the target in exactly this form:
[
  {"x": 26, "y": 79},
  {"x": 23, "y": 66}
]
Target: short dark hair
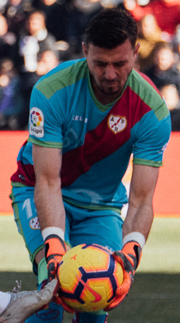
[{"x": 110, "y": 28}]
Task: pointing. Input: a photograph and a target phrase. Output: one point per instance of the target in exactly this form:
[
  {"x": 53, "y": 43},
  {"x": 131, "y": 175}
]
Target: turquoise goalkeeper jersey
[{"x": 96, "y": 140}]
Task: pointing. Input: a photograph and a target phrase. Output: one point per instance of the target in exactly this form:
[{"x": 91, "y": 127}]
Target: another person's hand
[
  {"x": 129, "y": 258},
  {"x": 55, "y": 249},
  {"x": 24, "y": 304}
]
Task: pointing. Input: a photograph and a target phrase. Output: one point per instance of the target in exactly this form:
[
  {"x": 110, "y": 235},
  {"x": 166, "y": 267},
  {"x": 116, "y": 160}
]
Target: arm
[
  {"x": 136, "y": 226},
  {"x": 50, "y": 208},
  {"x": 47, "y": 196},
  {"x": 140, "y": 212},
  {"x": 49, "y": 204}
]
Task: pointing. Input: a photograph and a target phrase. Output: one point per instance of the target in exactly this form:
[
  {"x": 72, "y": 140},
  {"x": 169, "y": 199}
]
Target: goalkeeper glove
[
  {"x": 58, "y": 300},
  {"x": 129, "y": 258},
  {"x": 55, "y": 249}
]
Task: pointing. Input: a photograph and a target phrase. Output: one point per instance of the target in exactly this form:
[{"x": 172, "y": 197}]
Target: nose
[{"x": 110, "y": 72}]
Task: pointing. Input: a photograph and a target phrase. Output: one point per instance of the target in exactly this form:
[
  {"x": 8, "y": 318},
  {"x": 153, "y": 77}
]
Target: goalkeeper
[{"x": 87, "y": 117}]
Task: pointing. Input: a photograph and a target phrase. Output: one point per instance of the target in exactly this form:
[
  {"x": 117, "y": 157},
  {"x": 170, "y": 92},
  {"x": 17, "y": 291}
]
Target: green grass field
[{"x": 155, "y": 296}]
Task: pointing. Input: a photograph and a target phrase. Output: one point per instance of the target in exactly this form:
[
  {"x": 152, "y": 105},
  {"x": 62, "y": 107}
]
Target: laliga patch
[
  {"x": 34, "y": 223},
  {"x": 36, "y": 123},
  {"x": 117, "y": 123}
]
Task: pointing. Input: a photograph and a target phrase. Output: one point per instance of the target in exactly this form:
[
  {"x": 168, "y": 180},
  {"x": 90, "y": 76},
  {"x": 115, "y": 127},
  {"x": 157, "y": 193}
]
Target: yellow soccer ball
[{"x": 88, "y": 277}]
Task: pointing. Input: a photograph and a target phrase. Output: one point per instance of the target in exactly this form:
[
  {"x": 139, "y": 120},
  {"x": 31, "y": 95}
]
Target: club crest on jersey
[
  {"x": 117, "y": 123},
  {"x": 36, "y": 123},
  {"x": 34, "y": 223}
]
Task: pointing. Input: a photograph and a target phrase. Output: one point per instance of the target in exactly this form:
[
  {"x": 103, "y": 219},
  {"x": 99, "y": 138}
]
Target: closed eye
[
  {"x": 101, "y": 64},
  {"x": 116, "y": 64},
  {"x": 119, "y": 64}
]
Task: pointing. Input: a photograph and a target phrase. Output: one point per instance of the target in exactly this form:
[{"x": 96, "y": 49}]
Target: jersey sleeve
[
  {"x": 45, "y": 121},
  {"x": 151, "y": 136}
]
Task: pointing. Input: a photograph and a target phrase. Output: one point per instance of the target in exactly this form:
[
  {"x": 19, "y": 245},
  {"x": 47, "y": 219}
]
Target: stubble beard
[{"x": 107, "y": 89}]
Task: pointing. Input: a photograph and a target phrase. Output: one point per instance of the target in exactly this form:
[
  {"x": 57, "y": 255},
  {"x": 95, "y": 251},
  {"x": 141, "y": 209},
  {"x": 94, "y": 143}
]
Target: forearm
[
  {"x": 49, "y": 204},
  {"x": 138, "y": 219},
  {"x": 135, "y": 232},
  {"x": 140, "y": 212}
]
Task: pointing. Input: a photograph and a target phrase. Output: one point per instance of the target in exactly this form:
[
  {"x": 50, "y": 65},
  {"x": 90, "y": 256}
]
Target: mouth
[{"x": 111, "y": 83}]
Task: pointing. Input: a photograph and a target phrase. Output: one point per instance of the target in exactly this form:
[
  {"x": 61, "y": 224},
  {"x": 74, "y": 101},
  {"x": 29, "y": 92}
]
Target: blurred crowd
[{"x": 37, "y": 35}]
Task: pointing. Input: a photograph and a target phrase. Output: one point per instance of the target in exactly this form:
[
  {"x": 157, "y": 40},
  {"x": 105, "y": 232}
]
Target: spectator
[
  {"x": 3, "y": 4},
  {"x": 176, "y": 43},
  {"x": 11, "y": 103},
  {"x": 56, "y": 17},
  {"x": 149, "y": 36},
  {"x": 8, "y": 41},
  {"x": 172, "y": 99},
  {"x": 16, "y": 12},
  {"x": 164, "y": 69},
  {"x": 35, "y": 40},
  {"x": 112, "y": 3},
  {"x": 82, "y": 11},
  {"x": 166, "y": 12},
  {"x": 47, "y": 61}
]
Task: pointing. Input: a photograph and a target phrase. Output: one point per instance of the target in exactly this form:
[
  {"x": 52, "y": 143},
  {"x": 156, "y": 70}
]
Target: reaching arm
[
  {"x": 48, "y": 198},
  {"x": 140, "y": 212},
  {"x": 136, "y": 226},
  {"x": 49, "y": 204}
]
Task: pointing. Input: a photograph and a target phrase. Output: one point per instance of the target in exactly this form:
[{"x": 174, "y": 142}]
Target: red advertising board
[{"x": 167, "y": 194}]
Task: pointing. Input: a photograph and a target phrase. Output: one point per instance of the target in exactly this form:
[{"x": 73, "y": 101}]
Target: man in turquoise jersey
[{"x": 87, "y": 117}]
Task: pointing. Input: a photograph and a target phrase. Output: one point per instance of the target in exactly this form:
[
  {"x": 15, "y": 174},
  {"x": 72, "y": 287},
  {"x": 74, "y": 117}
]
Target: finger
[
  {"x": 121, "y": 292},
  {"x": 125, "y": 260},
  {"x": 52, "y": 269},
  {"x": 116, "y": 302},
  {"x": 125, "y": 286},
  {"x": 57, "y": 287}
]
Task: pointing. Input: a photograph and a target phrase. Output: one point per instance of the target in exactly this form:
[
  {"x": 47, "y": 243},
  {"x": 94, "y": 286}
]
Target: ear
[
  {"x": 136, "y": 49},
  {"x": 84, "y": 48}
]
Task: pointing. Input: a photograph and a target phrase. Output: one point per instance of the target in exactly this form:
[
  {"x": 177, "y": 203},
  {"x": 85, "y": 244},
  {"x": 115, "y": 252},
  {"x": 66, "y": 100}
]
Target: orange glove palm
[
  {"x": 58, "y": 300},
  {"x": 129, "y": 258},
  {"x": 55, "y": 248}
]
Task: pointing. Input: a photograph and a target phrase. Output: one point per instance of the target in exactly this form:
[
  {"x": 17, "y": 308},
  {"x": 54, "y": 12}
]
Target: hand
[
  {"x": 55, "y": 249},
  {"x": 129, "y": 258}
]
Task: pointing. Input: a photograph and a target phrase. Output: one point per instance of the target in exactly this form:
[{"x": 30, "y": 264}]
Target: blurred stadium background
[{"x": 155, "y": 296}]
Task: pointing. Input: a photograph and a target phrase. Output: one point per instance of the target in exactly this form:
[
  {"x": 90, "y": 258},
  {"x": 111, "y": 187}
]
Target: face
[
  {"x": 165, "y": 59},
  {"x": 36, "y": 23},
  {"x": 110, "y": 68},
  {"x": 47, "y": 62},
  {"x": 149, "y": 25},
  {"x": 171, "y": 96},
  {"x": 3, "y": 25}
]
